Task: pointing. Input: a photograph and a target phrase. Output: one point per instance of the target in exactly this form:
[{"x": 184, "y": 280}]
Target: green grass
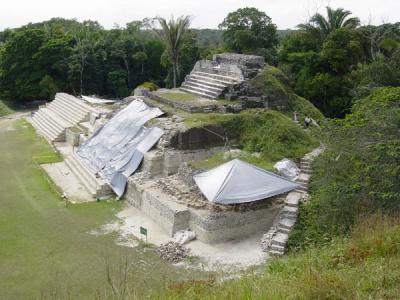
[
  {"x": 218, "y": 159},
  {"x": 364, "y": 266},
  {"x": 268, "y": 132},
  {"x": 46, "y": 250},
  {"x": 180, "y": 97},
  {"x": 5, "y": 109}
]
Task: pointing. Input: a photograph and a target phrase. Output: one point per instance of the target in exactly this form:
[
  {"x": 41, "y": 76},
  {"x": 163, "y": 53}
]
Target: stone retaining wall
[{"x": 210, "y": 227}]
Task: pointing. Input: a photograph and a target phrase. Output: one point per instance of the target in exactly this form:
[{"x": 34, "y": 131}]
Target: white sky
[{"x": 207, "y": 13}]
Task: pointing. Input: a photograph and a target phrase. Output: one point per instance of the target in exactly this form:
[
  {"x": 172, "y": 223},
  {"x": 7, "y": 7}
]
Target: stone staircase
[
  {"x": 63, "y": 112},
  {"x": 274, "y": 241},
  {"x": 207, "y": 85},
  {"x": 96, "y": 187}
]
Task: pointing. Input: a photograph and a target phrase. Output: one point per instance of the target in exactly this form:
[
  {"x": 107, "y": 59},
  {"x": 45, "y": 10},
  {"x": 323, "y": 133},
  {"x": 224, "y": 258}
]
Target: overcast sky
[{"x": 206, "y": 13}]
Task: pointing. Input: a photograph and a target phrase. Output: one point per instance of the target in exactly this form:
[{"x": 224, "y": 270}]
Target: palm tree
[
  {"x": 173, "y": 33},
  {"x": 337, "y": 18}
]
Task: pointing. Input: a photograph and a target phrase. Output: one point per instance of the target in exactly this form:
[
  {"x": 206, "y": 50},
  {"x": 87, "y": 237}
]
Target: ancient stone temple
[{"x": 210, "y": 78}]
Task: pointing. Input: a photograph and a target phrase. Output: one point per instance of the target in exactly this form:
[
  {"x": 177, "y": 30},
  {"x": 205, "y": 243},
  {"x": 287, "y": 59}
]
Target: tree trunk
[
  {"x": 174, "y": 73},
  {"x": 81, "y": 81}
]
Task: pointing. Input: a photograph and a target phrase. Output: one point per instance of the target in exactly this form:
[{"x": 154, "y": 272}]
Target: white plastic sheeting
[
  {"x": 287, "y": 169},
  {"x": 116, "y": 150},
  {"x": 97, "y": 100},
  {"x": 239, "y": 182}
]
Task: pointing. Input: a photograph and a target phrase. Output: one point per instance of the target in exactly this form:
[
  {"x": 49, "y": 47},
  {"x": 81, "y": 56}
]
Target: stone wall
[
  {"x": 210, "y": 227},
  {"x": 227, "y": 225}
]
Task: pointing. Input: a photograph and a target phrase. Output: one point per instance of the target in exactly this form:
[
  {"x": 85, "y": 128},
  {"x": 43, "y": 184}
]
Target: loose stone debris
[{"x": 172, "y": 252}]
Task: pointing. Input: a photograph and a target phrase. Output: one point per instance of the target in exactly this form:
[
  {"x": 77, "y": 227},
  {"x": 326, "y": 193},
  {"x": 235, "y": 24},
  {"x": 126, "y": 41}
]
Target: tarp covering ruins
[
  {"x": 94, "y": 100},
  {"x": 116, "y": 150},
  {"x": 239, "y": 182}
]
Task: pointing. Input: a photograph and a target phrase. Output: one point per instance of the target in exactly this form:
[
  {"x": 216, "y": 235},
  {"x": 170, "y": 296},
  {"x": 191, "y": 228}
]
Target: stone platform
[{"x": 185, "y": 208}]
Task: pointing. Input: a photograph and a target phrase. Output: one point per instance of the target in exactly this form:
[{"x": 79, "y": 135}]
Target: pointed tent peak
[{"x": 238, "y": 182}]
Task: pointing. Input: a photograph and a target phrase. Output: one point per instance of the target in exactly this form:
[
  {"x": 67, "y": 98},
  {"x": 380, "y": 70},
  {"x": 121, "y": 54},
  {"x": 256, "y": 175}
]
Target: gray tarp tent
[
  {"x": 116, "y": 149},
  {"x": 239, "y": 182}
]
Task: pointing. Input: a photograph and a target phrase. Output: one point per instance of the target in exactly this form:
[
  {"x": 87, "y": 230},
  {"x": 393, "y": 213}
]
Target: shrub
[
  {"x": 149, "y": 85},
  {"x": 358, "y": 174}
]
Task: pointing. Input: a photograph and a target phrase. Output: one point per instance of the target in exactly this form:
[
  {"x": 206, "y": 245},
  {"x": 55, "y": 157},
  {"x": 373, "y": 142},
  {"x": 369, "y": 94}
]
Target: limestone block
[
  {"x": 142, "y": 92},
  {"x": 153, "y": 163},
  {"x": 72, "y": 136}
]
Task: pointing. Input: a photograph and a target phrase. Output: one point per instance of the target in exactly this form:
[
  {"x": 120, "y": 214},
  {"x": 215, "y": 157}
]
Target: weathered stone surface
[{"x": 210, "y": 79}]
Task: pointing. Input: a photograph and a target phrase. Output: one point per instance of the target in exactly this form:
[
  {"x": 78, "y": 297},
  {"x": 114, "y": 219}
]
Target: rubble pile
[{"x": 172, "y": 252}]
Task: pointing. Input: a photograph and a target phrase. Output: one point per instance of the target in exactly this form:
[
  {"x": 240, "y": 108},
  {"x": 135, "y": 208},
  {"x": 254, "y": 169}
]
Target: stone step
[
  {"x": 46, "y": 123},
  {"x": 197, "y": 93},
  {"x": 75, "y": 113},
  {"x": 42, "y": 131},
  {"x": 286, "y": 223},
  {"x": 278, "y": 248},
  {"x": 56, "y": 117},
  {"x": 47, "y": 126},
  {"x": 302, "y": 189},
  {"x": 306, "y": 171},
  {"x": 210, "y": 80},
  {"x": 302, "y": 179},
  {"x": 275, "y": 253},
  {"x": 65, "y": 112},
  {"x": 293, "y": 199},
  {"x": 290, "y": 212},
  {"x": 223, "y": 78},
  {"x": 280, "y": 239},
  {"x": 75, "y": 101},
  {"x": 81, "y": 175},
  {"x": 73, "y": 108},
  {"x": 306, "y": 168},
  {"x": 206, "y": 91},
  {"x": 204, "y": 86},
  {"x": 306, "y": 160},
  {"x": 205, "y": 82},
  {"x": 283, "y": 230}
]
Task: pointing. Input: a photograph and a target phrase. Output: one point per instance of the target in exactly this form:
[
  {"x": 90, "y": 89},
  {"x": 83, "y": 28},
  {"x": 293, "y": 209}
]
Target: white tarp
[
  {"x": 238, "y": 182},
  {"x": 97, "y": 100},
  {"x": 116, "y": 149},
  {"x": 287, "y": 169}
]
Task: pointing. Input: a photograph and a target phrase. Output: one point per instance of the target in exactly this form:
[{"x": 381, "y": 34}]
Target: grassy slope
[
  {"x": 4, "y": 109},
  {"x": 274, "y": 84},
  {"x": 268, "y": 132},
  {"x": 365, "y": 266},
  {"x": 45, "y": 248}
]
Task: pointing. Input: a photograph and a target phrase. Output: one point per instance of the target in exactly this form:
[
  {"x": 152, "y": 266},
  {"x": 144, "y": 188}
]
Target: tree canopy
[{"x": 249, "y": 30}]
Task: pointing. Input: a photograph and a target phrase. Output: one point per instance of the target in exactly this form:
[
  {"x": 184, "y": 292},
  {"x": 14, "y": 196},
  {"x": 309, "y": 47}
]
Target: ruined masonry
[
  {"x": 209, "y": 79},
  {"x": 64, "y": 112},
  {"x": 162, "y": 188},
  {"x": 275, "y": 240}
]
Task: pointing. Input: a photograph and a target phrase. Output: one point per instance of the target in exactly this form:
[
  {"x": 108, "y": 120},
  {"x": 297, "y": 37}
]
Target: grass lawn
[{"x": 45, "y": 248}]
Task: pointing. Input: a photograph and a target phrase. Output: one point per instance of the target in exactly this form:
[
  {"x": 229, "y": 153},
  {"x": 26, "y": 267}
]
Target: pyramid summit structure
[{"x": 239, "y": 182}]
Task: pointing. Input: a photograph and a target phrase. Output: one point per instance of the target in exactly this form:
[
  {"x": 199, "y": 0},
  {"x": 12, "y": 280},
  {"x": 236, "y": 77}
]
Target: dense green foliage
[
  {"x": 330, "y": 61},
  {"x": 336, "y": 19},
  {"x": 359, "y": 172},
  {"x": 248, "y": 30},
  {"x": 366, "y": 266}
]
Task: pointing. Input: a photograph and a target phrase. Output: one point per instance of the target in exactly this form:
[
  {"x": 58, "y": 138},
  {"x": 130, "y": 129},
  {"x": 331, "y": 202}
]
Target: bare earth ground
[{"x": 228, "y": 257}]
